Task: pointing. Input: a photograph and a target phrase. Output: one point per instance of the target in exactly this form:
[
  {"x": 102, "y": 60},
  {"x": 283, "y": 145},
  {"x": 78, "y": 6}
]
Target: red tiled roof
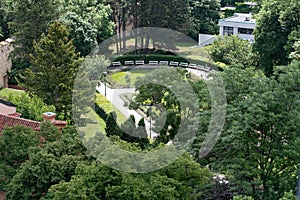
[{"x": 6, "y": 120}]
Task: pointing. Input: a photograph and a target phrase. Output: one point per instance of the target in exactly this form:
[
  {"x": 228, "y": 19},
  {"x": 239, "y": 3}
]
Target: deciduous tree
[
  {"x": 47, "y": 165},
  {"x": 14, "y": 150},
  {"x": 204, "y": 17},
  {"x": 232, "y": 50},
  {"x": 260, "y": 140}
]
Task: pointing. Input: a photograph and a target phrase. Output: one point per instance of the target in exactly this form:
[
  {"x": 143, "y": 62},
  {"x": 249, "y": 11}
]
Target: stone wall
[{"x": 5, "y": 63}]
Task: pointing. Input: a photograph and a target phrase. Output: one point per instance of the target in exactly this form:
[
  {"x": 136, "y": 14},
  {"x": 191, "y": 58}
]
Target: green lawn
[
  {"x": 108, "y": 107},
  {"x": 197, "y": 53},
  {"x": 184, "y": 50},
  {"x": 118, "y": 79},
  {"x": 94, "y": 124},
  {"x": 6, "y": 92}
]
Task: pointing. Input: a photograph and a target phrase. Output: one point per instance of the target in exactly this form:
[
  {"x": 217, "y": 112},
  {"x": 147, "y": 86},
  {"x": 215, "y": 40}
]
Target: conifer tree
[
  {"x": 141, "y": 134},
  {"x": 54, "y": 65},
  {"x": 111, "y": 125},
  {"x": 31, "y": 19}
]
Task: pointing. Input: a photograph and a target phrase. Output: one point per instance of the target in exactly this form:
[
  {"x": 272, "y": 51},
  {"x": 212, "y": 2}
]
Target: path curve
[{"x": 114, "y": 95}]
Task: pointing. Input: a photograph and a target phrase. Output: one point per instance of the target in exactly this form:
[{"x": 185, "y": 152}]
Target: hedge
[{"x": 100, "y": 112}]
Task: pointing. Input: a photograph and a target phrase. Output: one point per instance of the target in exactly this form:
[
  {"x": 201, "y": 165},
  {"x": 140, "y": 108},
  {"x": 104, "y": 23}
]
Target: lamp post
[
  {"x": 150, "y": 120},
  {"x": 105, "y": 73},
  {"x": 150, "y": 109},
  {"x": 298, "y": 184}
]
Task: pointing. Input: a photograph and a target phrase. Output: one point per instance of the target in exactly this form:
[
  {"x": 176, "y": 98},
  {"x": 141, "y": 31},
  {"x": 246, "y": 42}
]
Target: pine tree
[
  {"x": 112, "y": 127},
  {"x": 142, "y": 134},
  {"x": 129, "y": 128},
  {"x": 54, "y": 65},
  {"x": 30, "y": 21}
]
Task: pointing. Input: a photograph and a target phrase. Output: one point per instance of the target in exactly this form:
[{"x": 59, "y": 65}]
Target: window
[
  {"x": 228, "y": 30},
  {"x": 245, "y": 31}
]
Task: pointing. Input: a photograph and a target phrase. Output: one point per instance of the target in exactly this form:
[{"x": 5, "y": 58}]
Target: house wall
[
  {"x": 237, "y": 21},
  {"x": 5, "y": 63}
]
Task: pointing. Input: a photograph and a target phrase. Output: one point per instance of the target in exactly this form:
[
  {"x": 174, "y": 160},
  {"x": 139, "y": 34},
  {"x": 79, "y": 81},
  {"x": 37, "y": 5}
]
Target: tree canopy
[
  {"x": 54, "y": 65},
  {"x": 258, "y": 149},
  {"x": 276, "y": 21},
  {"x": 232, "y": 50}
]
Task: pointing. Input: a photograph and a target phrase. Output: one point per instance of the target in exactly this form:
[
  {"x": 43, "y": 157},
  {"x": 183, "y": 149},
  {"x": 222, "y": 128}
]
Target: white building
[{"x": 240, "y": 24}]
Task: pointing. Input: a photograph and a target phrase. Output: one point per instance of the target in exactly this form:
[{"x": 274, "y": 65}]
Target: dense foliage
[
  {"x": 30, "y": 107},
  {"x": 276, "y": 31},
  {"x": 256, "y": 155},
  {"x": 204, "y": 17},
  {"x": 232, "y": 50},
  {"x": 258, "y": 149},
  {"x": 54, "y": 67}
]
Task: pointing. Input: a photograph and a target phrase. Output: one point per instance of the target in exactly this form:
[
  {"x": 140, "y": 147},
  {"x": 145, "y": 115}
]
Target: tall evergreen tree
[
  {"x": 54, "y": 65},
  {"x": 30, "y": 21},
  {"x": 112, "y": 127},
  {"x": 6, "y": 16},
  {"x": 141, "y": 134}
]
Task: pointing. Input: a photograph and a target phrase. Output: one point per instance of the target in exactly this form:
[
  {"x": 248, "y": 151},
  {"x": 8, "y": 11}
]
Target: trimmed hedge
[
  {"x": 100, "y": 112},
  {"x": 150, "y": 51}
]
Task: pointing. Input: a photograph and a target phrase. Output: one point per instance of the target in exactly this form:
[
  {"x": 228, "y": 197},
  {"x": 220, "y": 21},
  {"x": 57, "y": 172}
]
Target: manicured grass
[
  {"x": 184, "y": 50},
  {"x": 6, "y": 92},
  {"x": 94, "y": 124},
  {"x": 118, "y": 79},
  {"x": 108, "y": 107},
  {"x": 196, "y": 53}
]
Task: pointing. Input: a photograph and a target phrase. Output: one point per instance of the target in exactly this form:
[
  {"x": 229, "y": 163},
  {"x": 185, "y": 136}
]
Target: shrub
[{"x": 30, "y": 107}]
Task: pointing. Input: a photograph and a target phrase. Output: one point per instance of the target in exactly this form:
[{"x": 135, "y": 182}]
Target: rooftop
[{"x": 240, "y": 18}]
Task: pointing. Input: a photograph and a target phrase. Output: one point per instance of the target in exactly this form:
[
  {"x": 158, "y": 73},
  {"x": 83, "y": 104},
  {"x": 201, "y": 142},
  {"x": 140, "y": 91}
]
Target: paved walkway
[{"x": 114, "y": 95}]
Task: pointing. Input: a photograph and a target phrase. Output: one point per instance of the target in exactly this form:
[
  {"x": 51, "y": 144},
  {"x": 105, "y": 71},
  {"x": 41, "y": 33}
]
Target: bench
[
  {"x": 183, "y": 64},
  {"x": 208, "y": 69},
  {"x": 117, "y": 63},
  {"x": 152, "y": 62},
  {"x": 163, "y": 62},
  {"x": 200, "y": 67},
  {"x": 204, "y": 68},
  {"x": 172, "y": 63},
  {"x": 139, "y": 62},
  {"x": 129, "y": 62},
  {"x": 192, "y": 66}
]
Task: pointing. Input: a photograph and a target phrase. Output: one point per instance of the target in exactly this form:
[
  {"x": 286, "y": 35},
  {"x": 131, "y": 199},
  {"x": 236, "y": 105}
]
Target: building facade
[
  {"x": 239, "y": 24},
  {"x": 5, "y": 63}
]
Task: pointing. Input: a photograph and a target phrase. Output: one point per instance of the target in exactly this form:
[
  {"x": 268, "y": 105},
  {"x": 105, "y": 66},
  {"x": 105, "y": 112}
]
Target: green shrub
[
  {"x": 242, "y": 198},
  {"x": 288, "y": 196},
  {"x": 30, "y": 107}
]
